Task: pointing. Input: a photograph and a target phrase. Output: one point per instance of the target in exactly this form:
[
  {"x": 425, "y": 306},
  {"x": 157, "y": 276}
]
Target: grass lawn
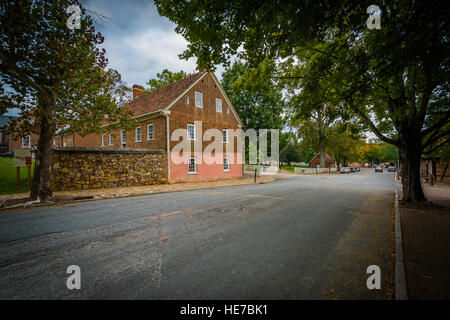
[
  {"x": 8, "y": 183},
  {"x": 291, "y": 169}
]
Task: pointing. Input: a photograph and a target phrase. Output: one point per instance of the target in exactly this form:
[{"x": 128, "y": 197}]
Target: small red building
[{"x": 329, "y": 161}]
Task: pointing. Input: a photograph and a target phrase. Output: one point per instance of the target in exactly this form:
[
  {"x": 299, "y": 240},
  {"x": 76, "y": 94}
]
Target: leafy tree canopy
[
  {"x": 56, "y": 77},
  {"x": 164, "y": 78},
  {"x": 255, "y": 95},
  {"x": 289, "y": 154}
]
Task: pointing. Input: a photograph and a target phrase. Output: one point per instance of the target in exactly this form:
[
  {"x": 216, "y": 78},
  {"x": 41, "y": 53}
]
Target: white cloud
[
  {"x": 139, "y": 57},
  {"x": 139, "y": 42}
]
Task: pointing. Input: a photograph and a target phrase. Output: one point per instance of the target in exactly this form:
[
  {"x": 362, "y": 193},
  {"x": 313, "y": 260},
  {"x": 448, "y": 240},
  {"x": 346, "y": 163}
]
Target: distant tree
[
  {"x": 55, "y": 76},
  {"x": 255, "y": 95},
  {"x": 372, "y": 153},
  {"x": 316, "y": 103},
  {"x": 164, "y": 78},
  {"x": 288, "y": 137},
  {"x": 308, "y": 154},
  {"x": 344, "y": 145},
  {"x": 389, "y": 152},
  {"x": 307, "y": 132},
  {"x": 290, "y": 154}
]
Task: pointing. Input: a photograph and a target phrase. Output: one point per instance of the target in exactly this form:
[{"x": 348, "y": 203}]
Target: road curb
[
  {"x": 87, "y": 198},
  {"x": 401, "y": 292}
]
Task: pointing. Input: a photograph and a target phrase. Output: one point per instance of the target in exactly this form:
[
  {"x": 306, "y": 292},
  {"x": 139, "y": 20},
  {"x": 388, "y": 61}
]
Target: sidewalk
[
  {"x": 107, "y": 193},
  {"x": 426, "y": 245}
]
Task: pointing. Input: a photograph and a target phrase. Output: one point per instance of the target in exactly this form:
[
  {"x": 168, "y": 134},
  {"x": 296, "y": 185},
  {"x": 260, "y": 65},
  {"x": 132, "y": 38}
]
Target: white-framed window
[
  {"x": 138, "y": 135},
  {"x": 192, "y": 166},
  {"x": 150, "y": 132},
  {"x": 103, "y": 140},
  {"x": 226, "y": 164},
  {"x": 110, "y": 139},
  {"x": 218, "y": 105},
  {"x": 228, "y": 109},
  {"x": 199, "y": 99},
  {"x": 187, "y": 99},
  {"x": 60, "y": 144},
  {"x": 225, "y": 135},
  {"x": 191, "y": 132},
  {"x": 26, "y": 142},
  {"x": 123, "y": 139}
]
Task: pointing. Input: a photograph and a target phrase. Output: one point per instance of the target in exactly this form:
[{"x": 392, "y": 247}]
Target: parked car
[
  {"x": 391, "y": 169},
  {"x": 355, "y": 169},
  {"x": 379, "y": 169},
  {"x": 345, "y": 170}
]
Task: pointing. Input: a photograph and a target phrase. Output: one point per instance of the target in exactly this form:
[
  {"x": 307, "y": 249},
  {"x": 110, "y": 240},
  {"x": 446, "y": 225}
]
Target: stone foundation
[{"x": 77, "y": 168}]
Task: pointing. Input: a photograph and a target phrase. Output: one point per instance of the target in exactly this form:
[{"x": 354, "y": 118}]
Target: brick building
[
  {"x": 8, "y": 143},
  {"x": 329, "y": 161},
  {"x": 196, "y": 103}
]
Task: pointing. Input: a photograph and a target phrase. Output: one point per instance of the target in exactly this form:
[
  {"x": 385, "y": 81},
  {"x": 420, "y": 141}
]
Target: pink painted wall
[{"x": 205, "y": 171}]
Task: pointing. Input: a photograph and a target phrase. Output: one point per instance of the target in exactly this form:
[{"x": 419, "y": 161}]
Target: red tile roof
[
  {"x": 162, "y": 97},
  {"x": 327, "y": 157}
]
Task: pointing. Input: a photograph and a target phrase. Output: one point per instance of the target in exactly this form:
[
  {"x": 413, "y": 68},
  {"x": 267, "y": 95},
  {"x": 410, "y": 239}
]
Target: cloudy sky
[{"x": 138, "y": 41}]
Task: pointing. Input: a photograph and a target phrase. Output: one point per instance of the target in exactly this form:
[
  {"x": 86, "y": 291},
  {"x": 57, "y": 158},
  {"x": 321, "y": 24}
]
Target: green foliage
[
  {"x": 308, "y": 154},
  {"x": 164, "y": 78},
  {"x": 445, "y": 154},
  {"x": 286, "y": 138},
  {"x": 45, "y": 63},
  {"x": 389, "y": 153},
  {"x": 255, "y": 96},
  {"x": 344, "y": 145},
  {"x": 290, "y": 154}
]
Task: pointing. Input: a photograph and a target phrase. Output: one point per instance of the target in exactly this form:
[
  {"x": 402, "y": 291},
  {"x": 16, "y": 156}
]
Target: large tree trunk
[
  {"x": 41, "y": 186},
  {"x": 410, "y": 157},
  {"x": 322, "y": 151},
  {"x": 321, "y": 138}
]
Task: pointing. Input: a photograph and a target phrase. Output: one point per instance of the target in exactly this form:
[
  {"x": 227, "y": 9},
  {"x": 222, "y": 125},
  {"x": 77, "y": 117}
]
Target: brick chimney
[{"x": 137, "y": 90}]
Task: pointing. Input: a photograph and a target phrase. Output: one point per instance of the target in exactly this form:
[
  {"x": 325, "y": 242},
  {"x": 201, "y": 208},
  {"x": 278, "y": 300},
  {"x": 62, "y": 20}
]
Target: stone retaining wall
[{"x": 77, "y": 168}]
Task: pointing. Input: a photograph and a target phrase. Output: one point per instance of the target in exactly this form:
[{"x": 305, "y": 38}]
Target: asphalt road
[{"x": 302, "y": 237}]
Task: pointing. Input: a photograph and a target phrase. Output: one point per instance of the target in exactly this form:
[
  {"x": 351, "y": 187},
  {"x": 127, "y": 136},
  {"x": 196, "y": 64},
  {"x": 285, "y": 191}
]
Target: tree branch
[
  {"x": 374, "y": 128},
  {"x": 436, "y": 147},
  {"x": 437, "y": 125},
  {"x": 435, "y": 138},
  {"x": 14, "y": 72}
]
